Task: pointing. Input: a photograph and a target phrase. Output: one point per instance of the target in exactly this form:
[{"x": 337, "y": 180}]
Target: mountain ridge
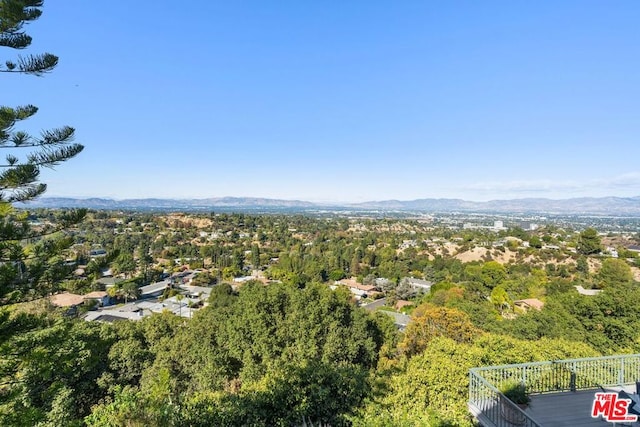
[{"x": 611, "y": 205}]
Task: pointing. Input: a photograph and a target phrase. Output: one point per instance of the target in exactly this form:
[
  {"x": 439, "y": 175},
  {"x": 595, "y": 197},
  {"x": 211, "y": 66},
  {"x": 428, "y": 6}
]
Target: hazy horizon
[
  {"x": 340, "y": 102},
  {"x": 303, "y": 199}
]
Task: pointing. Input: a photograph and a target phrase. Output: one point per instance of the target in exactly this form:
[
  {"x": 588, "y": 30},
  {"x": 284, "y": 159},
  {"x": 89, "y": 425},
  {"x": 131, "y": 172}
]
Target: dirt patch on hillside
[
  {"x": 443, "y": 249},
  {"x": 475, "y": 254},
  {"x": 481, "y": 254},
  {"x": 594, "y": 265},
  {"x": 185, "y": 221}
]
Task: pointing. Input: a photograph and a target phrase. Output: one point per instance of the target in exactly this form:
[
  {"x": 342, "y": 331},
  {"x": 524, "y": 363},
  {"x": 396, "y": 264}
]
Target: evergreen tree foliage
[
  {"x": 24, "y": 269},
  {"x": 614, "y": 271},
  {"x": 589, "y": 242},
  {"x": 19, "y": 178}
]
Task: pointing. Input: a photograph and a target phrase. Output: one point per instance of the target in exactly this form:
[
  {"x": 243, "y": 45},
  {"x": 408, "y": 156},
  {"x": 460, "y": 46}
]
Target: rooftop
[
  {"x": 196, "y": 290},
  {"x": 155, "y": 287},
  {"x": 353, "y": 283},
  {"x": 400, "y": 304},
  {"x": 108, "y": 318},
  {"x": 114, "y": 314},
  {"x": 589, "y": 292},
  {"x": 529, "y": 303},
  {"x": 419, "y": 282},
  {"x": 401, "y": 320},
  {"x": 95, "y": 294},
  {"x": 375, "y": 304},
  {"x": 109, "y": 281}
]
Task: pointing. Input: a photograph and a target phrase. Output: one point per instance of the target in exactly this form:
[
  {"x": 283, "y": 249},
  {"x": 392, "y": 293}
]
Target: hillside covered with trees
[{"x": 292, "y": 348}]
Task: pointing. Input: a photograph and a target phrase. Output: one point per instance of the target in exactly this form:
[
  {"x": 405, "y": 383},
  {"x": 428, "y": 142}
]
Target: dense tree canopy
[
  {"x": 614, "y": 271},
  {"x": 277, "y": 355}
]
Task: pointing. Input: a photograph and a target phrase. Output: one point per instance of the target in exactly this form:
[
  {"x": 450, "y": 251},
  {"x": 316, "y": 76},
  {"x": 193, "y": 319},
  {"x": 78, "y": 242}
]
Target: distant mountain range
[
  {"x": 101, "y": 203},
  {"x": 583, "y": 205},
  {"x": 614, "y": 206}
]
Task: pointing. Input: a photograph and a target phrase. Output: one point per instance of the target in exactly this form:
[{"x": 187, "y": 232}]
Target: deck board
[
  {"x": 567, "y": 409},
  {"x": 562, "y": 409}
]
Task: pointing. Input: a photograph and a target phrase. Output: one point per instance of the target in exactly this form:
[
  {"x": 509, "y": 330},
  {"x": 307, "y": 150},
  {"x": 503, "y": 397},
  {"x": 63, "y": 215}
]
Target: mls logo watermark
[{"x": 612, "y": 408}]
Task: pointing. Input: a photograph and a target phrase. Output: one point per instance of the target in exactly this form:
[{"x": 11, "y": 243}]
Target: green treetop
[{"x": 589, "y": 242}]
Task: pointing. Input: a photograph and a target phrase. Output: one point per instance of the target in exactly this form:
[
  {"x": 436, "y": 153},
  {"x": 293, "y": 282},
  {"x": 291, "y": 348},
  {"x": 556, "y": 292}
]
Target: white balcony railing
[{"x": 488, "y": 404}]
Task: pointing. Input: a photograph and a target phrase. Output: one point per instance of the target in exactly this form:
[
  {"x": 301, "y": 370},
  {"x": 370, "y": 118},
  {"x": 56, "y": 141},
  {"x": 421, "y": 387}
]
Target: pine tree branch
[
  {"x": 16, "y": 13},
  {"x": 54, "y": 157},
  {"x": 48, "y": 158},
  {"x": 26, "y": 194},
  {"x": 31, "y": 144},
  {"x": 32, "y": 64},
  {"x": 51, "y": 137},
  {"x": 18, "y": 176},
  {"x": 9, "y": 116},
  {"x": 15, "y": 40},
  {"x": 57, "y": 136}
]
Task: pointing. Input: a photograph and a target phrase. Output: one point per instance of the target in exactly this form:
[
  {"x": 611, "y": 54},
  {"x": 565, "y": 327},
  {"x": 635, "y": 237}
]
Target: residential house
[
  {"x": 529, "y": 303},
  {"x": 419, "y": 285},
  {"x": 400, "y": 304},
  {"x": 372, "y": 306},
  {"x": 358, "y": 289},
  {"x": 108, "y": 282},
  {"x": 101, "y": 297},
  {"x": 155, "y": 289},
  {"x": 400, "y": 320},
  {"x": 634, "y": 248},
  {"x": 191, "y": 291},
  {"x": 130, "y": 311}
]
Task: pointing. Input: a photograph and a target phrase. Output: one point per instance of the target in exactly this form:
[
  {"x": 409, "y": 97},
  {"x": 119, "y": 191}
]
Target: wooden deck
[{"x": 567, "y": 409}]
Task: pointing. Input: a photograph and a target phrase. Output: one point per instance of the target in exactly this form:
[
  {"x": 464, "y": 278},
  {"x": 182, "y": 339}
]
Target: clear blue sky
[{"x": 340, "y": 101}]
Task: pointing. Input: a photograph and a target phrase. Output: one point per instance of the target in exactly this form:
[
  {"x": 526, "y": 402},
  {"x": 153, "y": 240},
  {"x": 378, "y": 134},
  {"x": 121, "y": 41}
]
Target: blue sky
[{"x": 340, "y": 101}]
